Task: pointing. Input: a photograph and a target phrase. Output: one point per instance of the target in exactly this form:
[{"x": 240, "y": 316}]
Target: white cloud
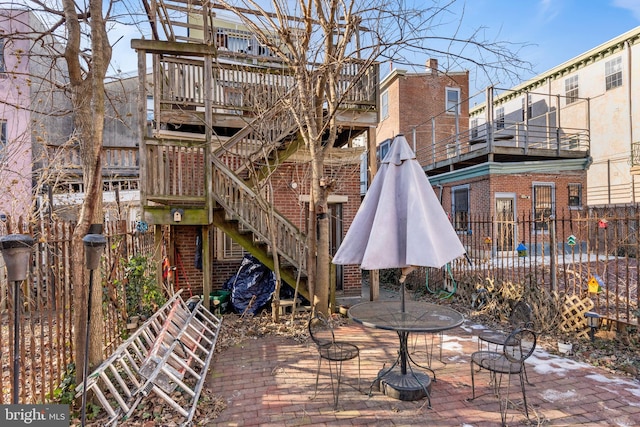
[
  {"x": 548, "y": 10},
  {"x": 632, "y": 5}
]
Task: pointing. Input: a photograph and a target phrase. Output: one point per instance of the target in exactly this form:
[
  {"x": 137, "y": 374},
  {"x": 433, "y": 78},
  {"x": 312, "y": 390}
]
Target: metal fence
[
  {"x": 46, "y": 314},
  {"x": 561, "y": 253}
]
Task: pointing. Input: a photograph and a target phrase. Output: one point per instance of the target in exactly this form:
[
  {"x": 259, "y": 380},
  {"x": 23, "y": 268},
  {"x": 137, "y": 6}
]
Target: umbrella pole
[{"x": 403, "y": 277}]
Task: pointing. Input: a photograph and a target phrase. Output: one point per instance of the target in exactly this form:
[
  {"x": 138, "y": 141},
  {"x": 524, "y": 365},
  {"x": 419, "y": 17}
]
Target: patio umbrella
[{"x": 400, "y": 223}]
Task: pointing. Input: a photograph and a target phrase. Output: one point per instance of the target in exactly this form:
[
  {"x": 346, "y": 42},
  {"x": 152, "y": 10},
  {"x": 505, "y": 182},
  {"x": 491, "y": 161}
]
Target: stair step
[{"x": 286, "y": 306}]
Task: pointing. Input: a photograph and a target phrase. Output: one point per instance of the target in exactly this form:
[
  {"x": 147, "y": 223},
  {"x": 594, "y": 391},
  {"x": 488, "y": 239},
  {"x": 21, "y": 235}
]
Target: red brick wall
[
  {"x": 288, "y": 203},
  {"x": 482, "y": 190},
  {"x": 187, "y": 276},
  {"x": 414, "y": 99}
]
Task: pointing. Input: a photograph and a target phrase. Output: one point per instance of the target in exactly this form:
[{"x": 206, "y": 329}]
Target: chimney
[{"x": 432, "y": 64}]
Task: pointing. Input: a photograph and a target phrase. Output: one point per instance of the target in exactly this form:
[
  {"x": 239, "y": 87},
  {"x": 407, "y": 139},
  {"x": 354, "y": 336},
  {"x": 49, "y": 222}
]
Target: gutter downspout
[
  {"x": 441, "y": 190},
  {"x": 630, "y": 100}
]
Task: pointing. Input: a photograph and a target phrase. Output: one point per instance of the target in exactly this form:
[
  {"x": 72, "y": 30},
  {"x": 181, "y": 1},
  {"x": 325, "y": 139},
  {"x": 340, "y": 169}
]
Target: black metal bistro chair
[
  {"x": 333, "y": 351},
  {"x": 516, "y": 348},
  {"x": 520, "y": 317}
]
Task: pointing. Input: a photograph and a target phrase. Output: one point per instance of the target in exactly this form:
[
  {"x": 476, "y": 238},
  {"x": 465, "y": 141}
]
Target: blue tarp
[{"x": 252, "y": 278}]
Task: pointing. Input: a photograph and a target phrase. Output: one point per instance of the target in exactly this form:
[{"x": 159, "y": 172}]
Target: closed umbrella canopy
[{"x": 400, "y": 222}]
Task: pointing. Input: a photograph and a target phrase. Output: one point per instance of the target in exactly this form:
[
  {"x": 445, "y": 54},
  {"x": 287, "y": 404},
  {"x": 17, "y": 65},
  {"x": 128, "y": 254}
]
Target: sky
[
  {"x": 554, "y": 31},
  {"x": 549, "y": 32}
]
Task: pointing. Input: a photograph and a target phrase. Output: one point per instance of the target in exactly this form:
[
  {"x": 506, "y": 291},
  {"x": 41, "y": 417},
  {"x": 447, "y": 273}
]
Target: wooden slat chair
[
  {"x": 509, "y": 361},
  {"x": 331, "y": 350}
]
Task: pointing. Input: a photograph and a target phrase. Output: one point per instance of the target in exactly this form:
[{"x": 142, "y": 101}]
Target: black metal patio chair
[
  {"x": 520, "y": 317},
  {"x": 516, "y": 348},
  {"x": 333, "y": 351}
]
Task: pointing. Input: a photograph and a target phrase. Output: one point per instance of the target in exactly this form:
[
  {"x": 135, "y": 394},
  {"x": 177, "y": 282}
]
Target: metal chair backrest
[
  {"x": 320, "y": 330},
  {"x": 519, "y": 345},
  {"x": 521, "y": 315}
]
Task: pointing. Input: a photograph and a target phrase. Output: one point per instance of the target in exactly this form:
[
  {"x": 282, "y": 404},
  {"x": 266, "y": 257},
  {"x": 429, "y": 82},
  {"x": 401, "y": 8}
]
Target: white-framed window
[
  {"x": 460, "y": 207},
  {"x": 613, "y": 73},
  {"x": 544, "y": 204},
  {"x": 571, "y": 89},
  {"x": 452, "y": 95},
  {"x": 384, "y": 105},
  {"x": 575, "y": 195},
  {"x": 227, "y": 248},
  {"x": 383, "y": 149},
  {"x": 149, "y": 108},
  {"x": 500, "y": 118},
  {"x": 473, "y": 124},
  {"x": 3, "y": 140}
]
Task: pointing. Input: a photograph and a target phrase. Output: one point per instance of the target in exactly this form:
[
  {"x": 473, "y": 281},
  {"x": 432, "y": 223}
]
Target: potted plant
[{"x": 565, "y": 344}]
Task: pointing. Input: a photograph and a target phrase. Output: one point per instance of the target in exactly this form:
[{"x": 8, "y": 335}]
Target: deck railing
[
  {"x": 242, "y": 87},
  {"x": 175, "y": 169},
  {"x": 115, "y": 160},
  {"x": 490, "y": 138}
]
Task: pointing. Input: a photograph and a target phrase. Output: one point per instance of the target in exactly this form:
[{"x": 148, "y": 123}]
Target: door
[
  {"x": 505, "y": 223},
  {"x": 335, "y": 237}
]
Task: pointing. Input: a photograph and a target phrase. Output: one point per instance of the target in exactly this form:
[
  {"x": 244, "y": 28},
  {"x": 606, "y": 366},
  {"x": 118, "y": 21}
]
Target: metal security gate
[{"x": 505, "y": 224}]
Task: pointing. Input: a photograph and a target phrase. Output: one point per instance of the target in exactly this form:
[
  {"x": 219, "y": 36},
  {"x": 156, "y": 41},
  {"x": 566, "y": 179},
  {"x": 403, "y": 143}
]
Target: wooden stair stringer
[{"x": 247, "y": 241}]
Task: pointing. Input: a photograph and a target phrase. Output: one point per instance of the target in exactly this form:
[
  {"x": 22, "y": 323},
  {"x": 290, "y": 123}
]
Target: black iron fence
[{"x": 587, "y": 253}]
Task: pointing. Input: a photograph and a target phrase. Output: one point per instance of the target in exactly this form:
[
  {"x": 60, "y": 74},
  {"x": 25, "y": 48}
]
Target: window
[
  {"x": 383, "y": 149},
  {"x": 149, "y": 108},
  {"x": 527, "y": 107},
  {"x": 3, "y": 139},
  {"x": 613, "y": 73},
  {"x": 2, "y": 65},
  {"x": 460, "y": 207},
  {"x": 500, "y": 118},
  {"x": 453, "y": 100},
  {"x": 575, "y": 195},
  {"x": 227, "y": 247},
  {"x": 543, "y": 205},
  {"x": 571, "y": 89},
  {"x": 384, "y": 105},
  {"x": 474, "y": 129}
]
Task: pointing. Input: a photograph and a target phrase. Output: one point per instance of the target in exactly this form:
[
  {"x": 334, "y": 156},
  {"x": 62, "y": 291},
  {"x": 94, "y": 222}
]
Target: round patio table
[{"x": 401, "y": 381}]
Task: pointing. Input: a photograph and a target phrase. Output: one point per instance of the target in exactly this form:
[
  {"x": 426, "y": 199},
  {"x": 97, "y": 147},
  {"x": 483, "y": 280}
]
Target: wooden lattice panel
[
  {"x": 573, "y": 311},
  {"x": 465, "y": 292},
  {"x": 511, "y": 291}
]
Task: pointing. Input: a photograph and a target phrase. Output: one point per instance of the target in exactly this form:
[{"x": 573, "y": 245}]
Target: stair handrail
[{"x": 240, "y": 200}]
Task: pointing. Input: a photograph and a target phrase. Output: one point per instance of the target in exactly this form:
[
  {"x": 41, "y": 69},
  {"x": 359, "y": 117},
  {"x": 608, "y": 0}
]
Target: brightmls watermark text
[{"x": 34, "y": 415}]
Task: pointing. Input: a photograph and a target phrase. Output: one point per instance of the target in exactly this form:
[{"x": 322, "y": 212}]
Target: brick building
[
  {"x": 425, "y": 107},
  {"x": 498, "y": 168}
]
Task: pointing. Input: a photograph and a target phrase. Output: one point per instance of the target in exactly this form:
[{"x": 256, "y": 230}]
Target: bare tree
[
  {"x": 73, "y": 37},
  {"x": 318, "y": 38}
]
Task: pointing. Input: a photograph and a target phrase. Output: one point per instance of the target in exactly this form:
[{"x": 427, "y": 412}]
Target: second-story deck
[{"x": 544, "y": 137}]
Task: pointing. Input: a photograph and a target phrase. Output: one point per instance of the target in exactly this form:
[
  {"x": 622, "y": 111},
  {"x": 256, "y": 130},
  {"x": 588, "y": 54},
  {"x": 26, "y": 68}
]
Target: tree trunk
[{"x": 88, "y": 99}]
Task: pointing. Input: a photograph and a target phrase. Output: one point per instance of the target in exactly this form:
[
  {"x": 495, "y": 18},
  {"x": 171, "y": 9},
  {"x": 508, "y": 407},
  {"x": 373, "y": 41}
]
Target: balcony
[{"x": 504, "y": 142}]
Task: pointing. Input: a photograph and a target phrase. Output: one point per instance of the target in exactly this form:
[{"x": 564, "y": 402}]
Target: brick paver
[{"x": 270, "y": 382}]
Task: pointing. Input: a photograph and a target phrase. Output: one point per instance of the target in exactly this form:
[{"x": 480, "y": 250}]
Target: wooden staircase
[{"x": 207, "y": 156}]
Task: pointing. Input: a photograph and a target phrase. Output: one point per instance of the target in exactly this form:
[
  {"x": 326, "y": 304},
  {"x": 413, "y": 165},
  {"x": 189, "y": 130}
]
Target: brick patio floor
[{"x": 270, "y": 381}]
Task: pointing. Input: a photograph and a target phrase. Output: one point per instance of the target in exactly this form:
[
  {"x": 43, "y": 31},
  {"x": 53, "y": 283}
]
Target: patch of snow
[
  {"x": 632, "y": 387},
  {"x": 555, "y": 395}
]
